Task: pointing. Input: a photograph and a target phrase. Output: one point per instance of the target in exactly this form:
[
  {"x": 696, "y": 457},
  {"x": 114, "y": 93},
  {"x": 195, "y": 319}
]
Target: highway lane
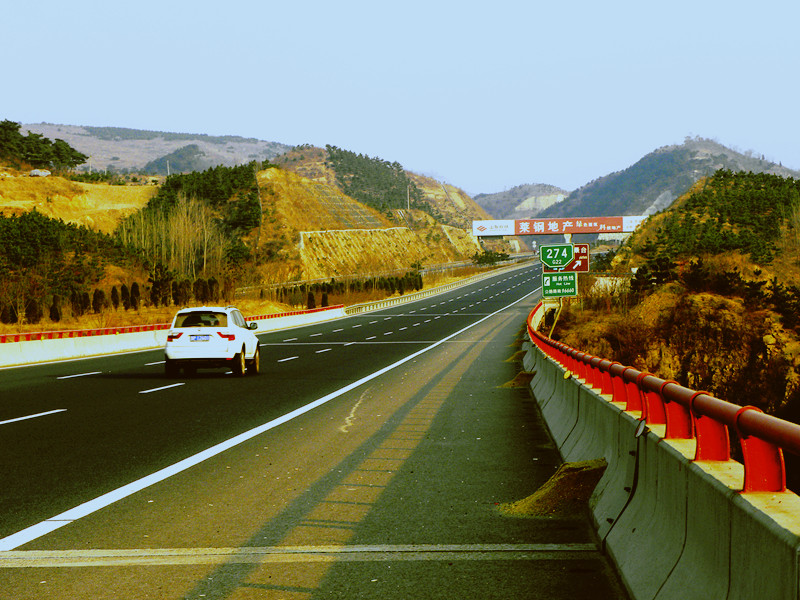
[
  {"x": 392, "y": 490},
  {"x": 73, "y": 431}
]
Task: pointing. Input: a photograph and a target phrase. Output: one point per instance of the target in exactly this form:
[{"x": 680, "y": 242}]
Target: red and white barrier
[{"x": 28, "y": 348}]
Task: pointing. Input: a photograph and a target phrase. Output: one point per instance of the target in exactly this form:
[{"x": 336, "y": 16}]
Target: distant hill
[
  {"x": 384, "y": 186},
  {"x": 521, "y": 202},
  {"x": 125, "y": 150},
  {"x": 655, "y": 181},
  {"x": 707, "y": 294},
  {"x": 184, "y": 160}
]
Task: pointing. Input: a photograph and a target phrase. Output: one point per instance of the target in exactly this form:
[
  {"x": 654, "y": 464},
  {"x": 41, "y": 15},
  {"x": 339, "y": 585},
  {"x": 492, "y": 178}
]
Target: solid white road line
[
  {"x": 41, "y": 414},
  {"x": 79, "y": 375},
  {"x": 40, "y": 529},
  {"x": 165, "y": 387}
]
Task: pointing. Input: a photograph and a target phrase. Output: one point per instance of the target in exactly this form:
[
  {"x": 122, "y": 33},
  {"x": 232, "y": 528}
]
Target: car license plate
[{"x": 199, "y": 338}]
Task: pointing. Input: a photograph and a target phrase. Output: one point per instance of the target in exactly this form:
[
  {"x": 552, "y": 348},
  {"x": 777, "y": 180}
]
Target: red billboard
[{"x": 576, "y": 225}]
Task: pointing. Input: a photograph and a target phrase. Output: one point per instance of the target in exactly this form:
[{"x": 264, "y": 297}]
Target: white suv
[{"x": 211, "y": 336}]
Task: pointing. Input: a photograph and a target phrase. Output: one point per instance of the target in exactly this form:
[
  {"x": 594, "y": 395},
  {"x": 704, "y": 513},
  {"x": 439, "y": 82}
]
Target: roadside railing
[
  {"x": 79, "y": 333},
  {"x": 685, "y": 413}
]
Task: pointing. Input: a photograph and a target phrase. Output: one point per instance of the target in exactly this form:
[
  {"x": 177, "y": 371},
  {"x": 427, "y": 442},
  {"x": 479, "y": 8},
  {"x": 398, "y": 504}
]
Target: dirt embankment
[
  {"x": 377, "y": 251},
  {"x": 97, "y": 206},
  {"x": 704, "y": 341}
]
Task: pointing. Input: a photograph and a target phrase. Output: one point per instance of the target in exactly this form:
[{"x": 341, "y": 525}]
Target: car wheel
[
  {"x": 254, "y": 366},
  {"x": 239, "y": 366},
  {"x": 171, "y": 369}
]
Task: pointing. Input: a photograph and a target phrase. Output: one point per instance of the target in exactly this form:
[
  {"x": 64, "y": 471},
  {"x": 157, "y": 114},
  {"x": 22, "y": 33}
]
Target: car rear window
[{"x": 201, "y": 319}]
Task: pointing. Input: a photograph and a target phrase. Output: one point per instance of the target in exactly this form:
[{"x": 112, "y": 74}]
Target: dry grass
[
  {"x": 565, "y": 494},
  {"x": 146, "y": 315},
  {"x": 250, "y": 305},
  {"x": 97, "y": 206}
]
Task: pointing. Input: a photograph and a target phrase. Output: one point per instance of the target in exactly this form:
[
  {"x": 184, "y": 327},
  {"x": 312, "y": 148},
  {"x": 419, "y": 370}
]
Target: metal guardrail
[
  {"x": 79, "y": 333},
  {"x": 685, "y": 413},
  {"x": 349, "y": 310}
]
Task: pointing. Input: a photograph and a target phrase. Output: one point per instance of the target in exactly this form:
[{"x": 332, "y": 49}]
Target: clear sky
[{"x": 482, "y": 95}]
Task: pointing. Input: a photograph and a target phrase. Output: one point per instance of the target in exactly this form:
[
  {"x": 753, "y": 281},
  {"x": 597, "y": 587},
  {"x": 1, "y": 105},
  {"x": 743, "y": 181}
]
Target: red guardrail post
[
  {"x": 654, "y": 410},
  {"x": 618, "y": 391},
  {"x": 574, "y": 363},
  {"x": 634, "y": 395},
  {"x": 764, "y": 468},
  {"x": 678, "y": 417},
  {"x": 606, "y": 385},
  {"x": 713, "y": 439}
]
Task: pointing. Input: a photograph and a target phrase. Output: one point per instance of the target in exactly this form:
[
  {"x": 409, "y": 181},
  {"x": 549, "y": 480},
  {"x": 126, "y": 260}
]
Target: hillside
[
  {"x": 97, "y": 206},
  {"x": 337, "y": 236},
  {"x": 449, "y": 205},
  {"x": 129, "y": 150},
  {"x": 656, "y": 180},
  {"x": 715, "y": 300},
  {"x": 521, "y": 202},
  {"x": 309, "y": 229},
  {"x": 334, "y": 254}
]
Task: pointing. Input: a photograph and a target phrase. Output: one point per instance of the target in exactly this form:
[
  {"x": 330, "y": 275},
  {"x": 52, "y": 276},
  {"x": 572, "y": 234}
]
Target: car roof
[{"x": 208, "y": 308}]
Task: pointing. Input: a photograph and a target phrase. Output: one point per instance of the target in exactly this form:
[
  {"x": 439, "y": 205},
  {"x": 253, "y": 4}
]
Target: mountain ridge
[
  {"x": 124, "y": 150},
  {"x": 656, "y": 180},
  {"x": 522, "y": 201}
]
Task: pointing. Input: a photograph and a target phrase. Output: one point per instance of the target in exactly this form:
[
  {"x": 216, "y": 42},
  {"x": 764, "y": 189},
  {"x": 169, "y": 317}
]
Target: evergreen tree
[{"x": 125, "y": 297}]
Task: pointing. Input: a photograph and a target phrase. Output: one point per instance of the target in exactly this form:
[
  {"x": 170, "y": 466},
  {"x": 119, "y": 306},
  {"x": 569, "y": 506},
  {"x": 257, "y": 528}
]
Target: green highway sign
[
  {"x": 559, "y": 285},
  {"x": 557, "y": 255},
  {"x": 579, "y": 263}
]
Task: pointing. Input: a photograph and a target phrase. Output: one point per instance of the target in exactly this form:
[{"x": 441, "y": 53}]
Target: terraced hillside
[
  {"x": 380, "y": 251},
  {"x": 452, "y": 205},
  {"x": 337, "y": 236},
  {"x": 305, "y": 204}
]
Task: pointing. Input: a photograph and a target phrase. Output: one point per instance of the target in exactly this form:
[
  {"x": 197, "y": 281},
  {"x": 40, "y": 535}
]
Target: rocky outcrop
[{"x": 705, "y": 342}]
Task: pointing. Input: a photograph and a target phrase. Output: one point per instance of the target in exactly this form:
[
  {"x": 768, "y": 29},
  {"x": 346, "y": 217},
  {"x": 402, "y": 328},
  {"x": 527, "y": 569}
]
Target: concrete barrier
[
  {"x": 677, "y": 528},
  {"x": 646, "y": 541},
  {"x": 613, "y": 492}
]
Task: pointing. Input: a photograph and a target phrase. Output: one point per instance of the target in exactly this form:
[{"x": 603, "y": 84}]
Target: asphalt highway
[
  {"x": 367, "y": 459},
  {"x": 73, "y": 431}
]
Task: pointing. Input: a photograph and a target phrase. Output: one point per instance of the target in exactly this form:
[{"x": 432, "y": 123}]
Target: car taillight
[
  {"x": 171, "y": 337},
  {"x": 228, "y": 336}
]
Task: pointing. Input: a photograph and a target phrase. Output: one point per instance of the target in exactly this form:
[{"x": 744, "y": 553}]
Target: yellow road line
[{"x": 293, "y": 554}]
